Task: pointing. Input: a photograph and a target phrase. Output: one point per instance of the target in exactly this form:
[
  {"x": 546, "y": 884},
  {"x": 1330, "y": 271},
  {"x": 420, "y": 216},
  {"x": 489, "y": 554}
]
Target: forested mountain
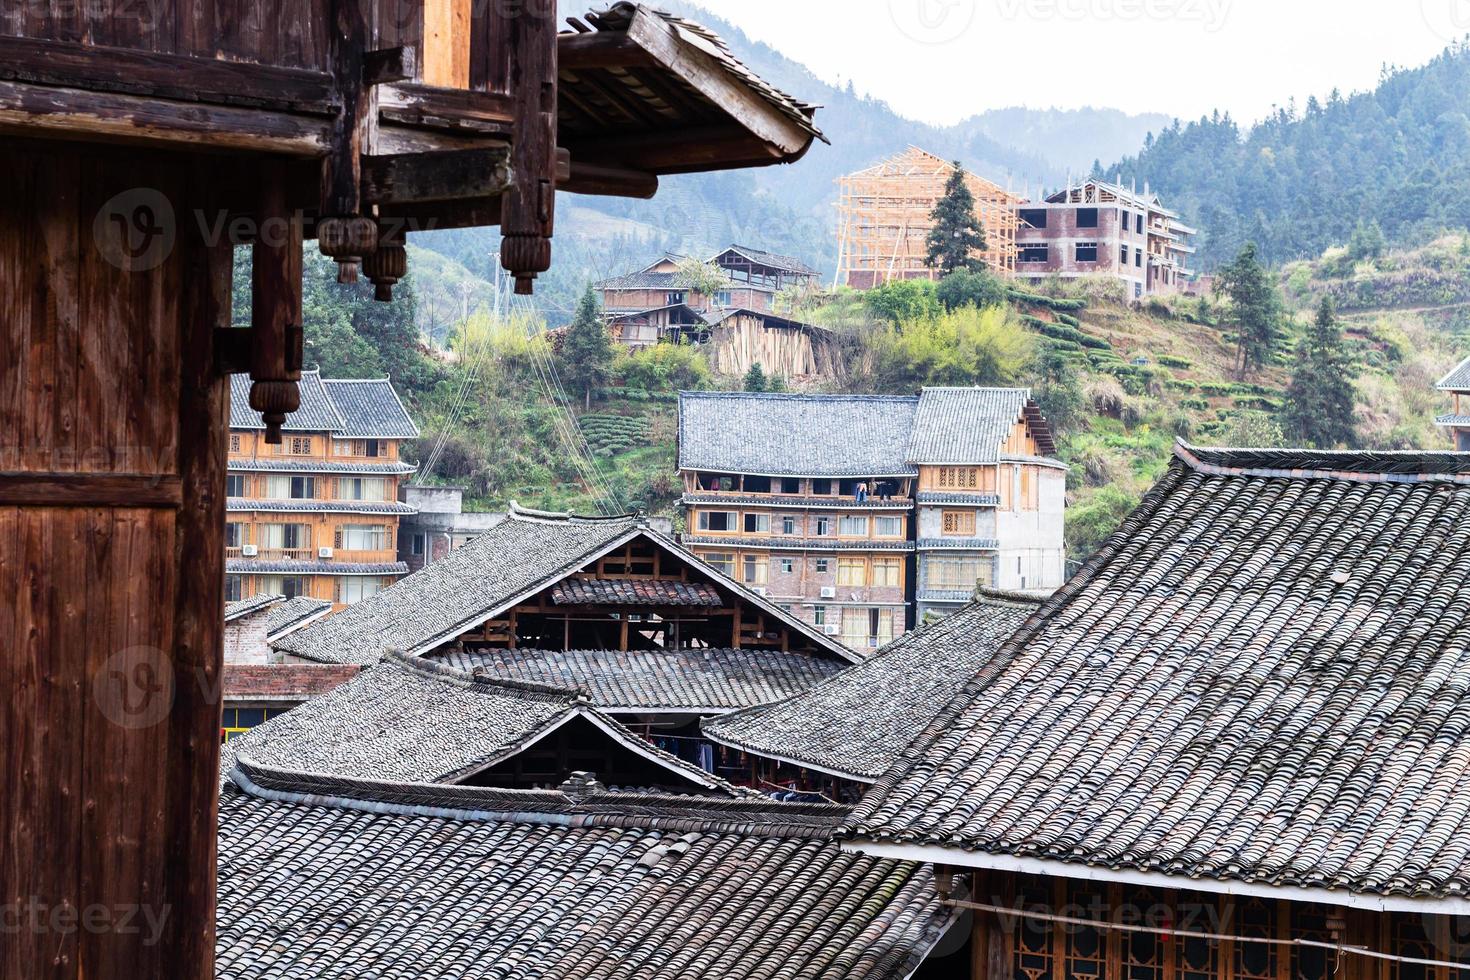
[{"x": 1305, "y": 177}]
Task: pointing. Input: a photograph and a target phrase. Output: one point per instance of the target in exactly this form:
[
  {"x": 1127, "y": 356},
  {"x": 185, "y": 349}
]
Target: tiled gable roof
[
  {"x": 634, "y": 592},
  {"x": 246, "y": 607},
  {"x": 693, "y": 680},
  {"x": 1458, "y": 379},
  {"x": 795, "y": 435},
  {"x": 294, "y": 612},
  {"x": 855, "y": 723},
  {"x": 965, "y": 425},
  {"x": 446, "y": 595},
  {"x": 518, "y": 557},
  {"x": 318, "y": 413},
  {"x": 371, "y": 410},
  {"x": 408, "y": 720},
  {"x": 348, "y": 409},
  {"x": 403, "y": 882},
  {"x": 1263, "y": 677},
  {"x": 785, "y": 263}
]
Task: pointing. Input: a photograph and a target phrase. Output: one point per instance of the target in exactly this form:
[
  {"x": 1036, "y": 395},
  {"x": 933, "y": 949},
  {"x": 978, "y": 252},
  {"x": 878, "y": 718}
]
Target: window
[
  {"x": 852, "y": 571},
  {"x": 822, "y": 565},
  {"x": 756, "y": 484},
  {"x": 1087, "y": 251},
  {"x": 819, "y": 615},
  {"x": 958, "y": 574},
  {"x": 234, "y": 588},
  {"x": 757, "y": 523},
  {"x": 1123, "y": 255},
  {"x": 853, "y": 527},
  {"x": 722, "y": 562},
  {"x": 284, "y": 536},
  {"x": 717, "y": 520},
  {"x": 289, "y": 586},
  {"x": 1138, "y": 290},
  {"x": 234, "y": 442},
  {"x": 1138, "y": 258},
  {"x": 290, "y": 487},
  {"x": 238, "y": 721},
  {"x": 1124, "y": 221},
  {"x": 822, "y": 488},
  {"x": 888, "y": 527},
  {"x": 887, "y": 571},
  {"x": 234, "y": 534},
  {"x": 790, "y": 485},
  {"x": 1087, "y": 217},
  {"x": 959, "y": 523},
  {"x": 722, "y": 298},
  {"x": 824, "y": 526},
  {"x": 867, "y": 627},
  {"x": 234, "y": 485},
  {"x": 301, "y": 445},
  {"x": 673, "y": 297},
  {"x": 362, "y": 537},
  {"x": 788, "y": 566},
  {"x": 959, "y": 478},
  {"x": 355, "y": 588},
  {"x": 362, "y": 488},
  {"x": 1139, "y": 219},
  {"x": 753, "y": 570},
  {"x": 416, "y": 544},
  {"x": 370, "y": 448},
  {"x": 1033, "y": 253},
  {"x": 788, "y": 524},
  {"x": 1035, "y": 217}
]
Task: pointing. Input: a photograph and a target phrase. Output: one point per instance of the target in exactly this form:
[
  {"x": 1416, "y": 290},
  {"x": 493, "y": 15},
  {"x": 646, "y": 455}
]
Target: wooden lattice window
[
  {"x": 1256, "y": 919},
  {"x": 1085, "y": 949},
  {"x": 1035, "y": 957},
  {"x": 958, "y": 477},
  {"x": 301, "y": 445},
  {"x": 1144, "y": 954},
  {"x": 960, "y": 523},
  {"x": 234, "y": 443}
]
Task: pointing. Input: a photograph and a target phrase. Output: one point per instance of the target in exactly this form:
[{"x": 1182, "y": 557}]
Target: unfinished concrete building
[{"x": 885, "y": 220}]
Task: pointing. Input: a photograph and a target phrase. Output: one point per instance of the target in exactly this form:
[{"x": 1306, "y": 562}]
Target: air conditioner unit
[
  {"x": 829, "y": 592},
  {"x": 249, "y": 550},
  {"x": 832, "y": 629},
  {"x": 324, "y": 552}
]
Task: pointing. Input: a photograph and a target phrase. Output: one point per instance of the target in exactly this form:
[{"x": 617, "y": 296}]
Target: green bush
[
  {"x": 903, "y": 300},
  {"x": 1049, "y": 302},
  {"x": 662, "y": 368},
  {"x": 1197, "y": 404},
  {"x": 1173, "y": 361}
]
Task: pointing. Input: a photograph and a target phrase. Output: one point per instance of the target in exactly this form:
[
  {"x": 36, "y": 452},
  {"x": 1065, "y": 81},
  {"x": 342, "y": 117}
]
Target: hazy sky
[{"x": 941, "y": 60}]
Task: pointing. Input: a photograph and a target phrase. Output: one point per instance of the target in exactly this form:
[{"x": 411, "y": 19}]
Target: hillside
[{"x": 1303, "y": 179}]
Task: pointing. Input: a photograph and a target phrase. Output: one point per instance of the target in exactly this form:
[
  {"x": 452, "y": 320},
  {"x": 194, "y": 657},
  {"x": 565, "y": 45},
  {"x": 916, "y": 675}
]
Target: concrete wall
[{"x": 1032, "y": 547}]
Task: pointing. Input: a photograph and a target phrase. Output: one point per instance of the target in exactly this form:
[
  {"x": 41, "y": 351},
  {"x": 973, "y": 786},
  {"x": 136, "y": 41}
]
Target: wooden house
[
  {"x": 142, "y": 144},
  {"x": 1233, "y": 746},
  {"x": 1457, "y": 423}
]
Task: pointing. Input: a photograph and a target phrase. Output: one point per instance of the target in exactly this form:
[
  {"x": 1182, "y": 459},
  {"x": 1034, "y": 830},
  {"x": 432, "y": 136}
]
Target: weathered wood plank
[
  {"x": 42, "y": 489},
  {"x": 438, "y": 176},
  {"x": 450, "y": 109},
  {"x": 180, "y": 77}
]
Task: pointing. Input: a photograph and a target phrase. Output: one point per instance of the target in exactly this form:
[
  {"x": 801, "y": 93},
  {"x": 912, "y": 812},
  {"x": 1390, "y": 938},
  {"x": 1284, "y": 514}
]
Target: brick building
[
  {"x": 1101, "y": 228},
  {"x": 864, "y": 514},
  {"x": 318, "y": 514}
]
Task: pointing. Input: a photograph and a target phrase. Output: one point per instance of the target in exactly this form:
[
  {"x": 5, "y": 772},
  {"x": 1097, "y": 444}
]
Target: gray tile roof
[
  {"x": 785, "y": 263},
  {"x": 964, "y": 425},
  {"x": 371, "y": 409},
  {"x": 795, "y": 435},
  {"x": 323, "y": 876},
  {"x": 408, "y": 720},
  {"x": 520, "y": 556},
  {"x": 687, "y": 680},
  {"x": 293, "y": 613},
  {"x": 349, "y": 409},
  {"x": 1262, "y": 677},
  {"x": 644, "y": 280},
  {"x": 855, "y": 723},
  {"x": 318, "y": 413},
  {"x": 239, "y": 505},
  {"x": 247, "y": 566},
  {"x": 254, "y": 604},
  {"x": 634, "y": 592},
  {"x": 1458, "y": 379}
]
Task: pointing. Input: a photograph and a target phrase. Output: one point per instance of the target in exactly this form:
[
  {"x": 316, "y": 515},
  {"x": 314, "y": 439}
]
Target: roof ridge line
[
  {"x": 1387, "y": 466},
  {"x": 474, "y": 678}
]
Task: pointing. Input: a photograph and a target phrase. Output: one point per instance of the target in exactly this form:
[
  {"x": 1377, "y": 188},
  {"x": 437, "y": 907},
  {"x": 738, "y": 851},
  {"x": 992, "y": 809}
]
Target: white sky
[{"x": 942, "y": 60}]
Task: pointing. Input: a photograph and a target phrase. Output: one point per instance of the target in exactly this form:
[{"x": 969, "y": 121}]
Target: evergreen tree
[
  {"x": 587, "y": 353},
  {"x": 1319, "y": 402},
  {"x": 755, "y": 379},
  {"x": 1255, "y": 310},
  {"x": 957, "y": 233}
]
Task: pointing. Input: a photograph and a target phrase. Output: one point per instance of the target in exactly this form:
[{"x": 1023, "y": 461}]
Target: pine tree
[
  {"x": 1319, "y": 402},
  {"x": 755, "y": 378},
  {"x": 587, "y": 353},
  {"x": 957, "y": 233},
  {"x": 1255, "y": 310}
]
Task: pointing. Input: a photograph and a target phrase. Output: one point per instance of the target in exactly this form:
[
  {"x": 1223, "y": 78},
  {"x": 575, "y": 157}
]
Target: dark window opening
[
  {"x": 1140, "y": 224},
  {"x": 1087, "y": 251},
  {"x": 1087, "y": 217},
  {"x": 822, "y": 488},
  {"x": 790, "y": 484},
  {"x": 1035, "y": 217},
  {"x": 757, "y": 484},
  {"x": 1034, "y": 253}
]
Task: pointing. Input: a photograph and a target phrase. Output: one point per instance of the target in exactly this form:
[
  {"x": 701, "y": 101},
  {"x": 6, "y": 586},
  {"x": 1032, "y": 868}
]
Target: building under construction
[{"x": 885, "y": 217}]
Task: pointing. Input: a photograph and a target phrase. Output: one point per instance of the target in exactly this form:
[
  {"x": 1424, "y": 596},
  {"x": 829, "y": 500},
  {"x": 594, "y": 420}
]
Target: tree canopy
[
  {"x": 957, "y": 234},
  {"x": 1318, "y": 411},
  {"x": 1255, "y": 311}
]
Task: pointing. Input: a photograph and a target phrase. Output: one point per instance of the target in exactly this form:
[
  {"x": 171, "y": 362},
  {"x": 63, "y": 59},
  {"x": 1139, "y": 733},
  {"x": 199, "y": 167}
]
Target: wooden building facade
[{"x": 139, "y": 145}]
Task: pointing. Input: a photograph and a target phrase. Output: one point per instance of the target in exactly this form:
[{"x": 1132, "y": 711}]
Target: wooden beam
[
  {"x": 445, "y": 175},
  {"x": 602, "y": 49},
  {"x": 486, "y": 113},
  {"x": 181, "y": 78},
  {"x": 78, "y": 114},
  {"x": 90, "y": 490},
  {"x": 389, "y": 65}
]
